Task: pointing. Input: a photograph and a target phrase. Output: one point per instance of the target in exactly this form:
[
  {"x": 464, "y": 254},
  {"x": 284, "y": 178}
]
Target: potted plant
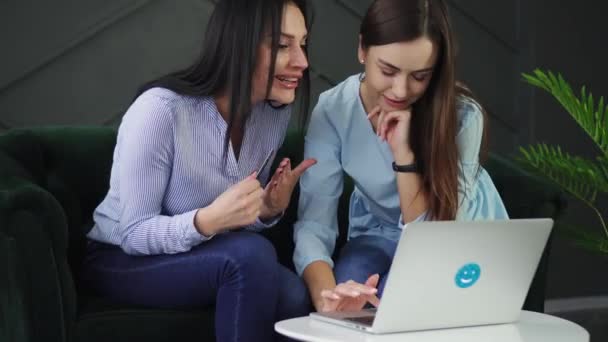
[{"x": 584, "y": 179}]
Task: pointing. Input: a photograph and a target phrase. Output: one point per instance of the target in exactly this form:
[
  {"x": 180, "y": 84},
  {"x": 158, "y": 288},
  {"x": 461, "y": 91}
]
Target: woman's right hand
[
  {"x": 238, "y": 206},
  {"x": 350, "y": 296},
  {"x": 394, "y": 128}
]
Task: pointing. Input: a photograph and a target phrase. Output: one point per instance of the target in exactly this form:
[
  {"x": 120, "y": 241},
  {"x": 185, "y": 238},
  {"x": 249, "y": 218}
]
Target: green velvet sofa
[{"x": 52, "y": 178}]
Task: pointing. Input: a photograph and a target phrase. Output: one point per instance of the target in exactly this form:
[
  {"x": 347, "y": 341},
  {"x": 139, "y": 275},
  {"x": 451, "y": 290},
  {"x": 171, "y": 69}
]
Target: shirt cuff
[
  {"x": 300, "y": 265},
  {"x": 269, "y": 223},
  {"x": 190, "y": 235},
  {"x": 420, "y": 218}
]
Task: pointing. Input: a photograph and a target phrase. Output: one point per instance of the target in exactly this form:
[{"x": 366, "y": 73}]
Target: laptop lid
[{"x": 454, "y": 274}]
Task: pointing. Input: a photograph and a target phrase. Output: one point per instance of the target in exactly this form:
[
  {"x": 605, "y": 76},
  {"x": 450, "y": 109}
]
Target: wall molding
[
  {"x": 455, "y": 5},
  {"x": 80, "y": 38},
  {"x": 350, "y": 8}
]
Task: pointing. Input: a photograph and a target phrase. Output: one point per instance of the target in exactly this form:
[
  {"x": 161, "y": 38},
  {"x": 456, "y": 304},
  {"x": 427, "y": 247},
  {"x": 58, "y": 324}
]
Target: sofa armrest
[
  {"x": 34, "y": 231},
  {"x": 70, "y": 162}
]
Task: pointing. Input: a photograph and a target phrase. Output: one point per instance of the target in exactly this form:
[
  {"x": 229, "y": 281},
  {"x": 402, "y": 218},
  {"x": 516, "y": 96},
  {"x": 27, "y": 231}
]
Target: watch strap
[{"x": 405, "y": 168}]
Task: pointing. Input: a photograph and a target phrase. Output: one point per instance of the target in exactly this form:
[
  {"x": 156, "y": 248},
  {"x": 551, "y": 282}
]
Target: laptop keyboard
[{"x": 364, "y": 320}]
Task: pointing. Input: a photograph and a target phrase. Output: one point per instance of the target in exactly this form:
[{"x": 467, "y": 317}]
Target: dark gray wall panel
[
  {"x": 95, "y": 81},
  {"x": 37, "y": 31},
  {"x": 357, "y": 6},
  {"x": 500, "y": 19},
  {"x": 489, "y": 68},
  {"x": 501, "y": 138},
  {"x": 333, "y": 51}
]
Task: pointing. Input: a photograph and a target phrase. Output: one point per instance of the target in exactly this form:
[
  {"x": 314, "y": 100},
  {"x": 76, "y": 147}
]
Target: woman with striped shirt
[{"x": 189, "y": 187}]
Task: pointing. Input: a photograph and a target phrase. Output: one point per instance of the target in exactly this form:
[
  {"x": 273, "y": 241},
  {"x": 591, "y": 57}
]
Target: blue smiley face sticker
[{"x": 467, "y": 275}]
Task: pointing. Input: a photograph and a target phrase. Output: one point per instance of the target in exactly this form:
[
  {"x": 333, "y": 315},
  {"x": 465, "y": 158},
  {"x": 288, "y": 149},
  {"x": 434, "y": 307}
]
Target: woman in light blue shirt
[
  {"x": 189, "y": 187},
  {"x": 408, "y": 135}
]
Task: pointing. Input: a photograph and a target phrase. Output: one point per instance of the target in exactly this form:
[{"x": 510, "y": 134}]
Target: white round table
[{"x": 531, "y": 327}]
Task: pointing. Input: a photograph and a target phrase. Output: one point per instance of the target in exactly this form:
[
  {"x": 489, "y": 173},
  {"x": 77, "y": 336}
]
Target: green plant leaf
[
  {"x": 580, "y": 177},
  {"x": 586, "y": 114},
  {"x": 592, "y": 242},
  {"x": 602, "y": 164}
]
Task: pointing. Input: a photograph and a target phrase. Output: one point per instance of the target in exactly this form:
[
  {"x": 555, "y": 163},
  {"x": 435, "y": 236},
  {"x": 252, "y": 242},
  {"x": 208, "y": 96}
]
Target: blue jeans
[
  {"x": 364, "y": 256},
  {"x": 237, "y": 272}
]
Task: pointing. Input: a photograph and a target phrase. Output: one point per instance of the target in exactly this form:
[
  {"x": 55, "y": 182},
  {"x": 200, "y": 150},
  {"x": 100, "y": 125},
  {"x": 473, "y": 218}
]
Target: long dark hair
[
  {"x": 434, "y": 117},
  {"x": 227, "y": 62}
]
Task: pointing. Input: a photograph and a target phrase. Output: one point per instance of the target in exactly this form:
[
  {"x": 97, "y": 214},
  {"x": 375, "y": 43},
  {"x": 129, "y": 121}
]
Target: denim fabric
[
  {"x": 364, "y": 256},
  {"x": 237, "y": 272}
]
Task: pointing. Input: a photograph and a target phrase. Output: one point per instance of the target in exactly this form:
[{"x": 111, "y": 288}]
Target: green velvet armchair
[{"x": 52, "y": 178}]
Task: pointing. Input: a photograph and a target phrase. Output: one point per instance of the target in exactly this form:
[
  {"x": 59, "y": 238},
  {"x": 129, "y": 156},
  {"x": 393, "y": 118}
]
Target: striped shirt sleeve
[{"x": 146, "y": 149}]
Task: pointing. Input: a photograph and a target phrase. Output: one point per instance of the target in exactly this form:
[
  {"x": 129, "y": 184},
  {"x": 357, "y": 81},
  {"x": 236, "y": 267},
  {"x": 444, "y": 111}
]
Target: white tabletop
[{"x": 532, "y": 327}]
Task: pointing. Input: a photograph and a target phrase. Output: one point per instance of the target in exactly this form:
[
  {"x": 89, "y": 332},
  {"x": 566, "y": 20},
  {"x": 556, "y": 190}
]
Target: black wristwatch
[{"x": 405, "y": 168}]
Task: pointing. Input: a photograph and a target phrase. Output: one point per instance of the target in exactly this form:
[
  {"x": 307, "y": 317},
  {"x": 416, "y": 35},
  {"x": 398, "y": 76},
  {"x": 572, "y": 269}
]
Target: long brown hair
[{"x": 433, "y": 126}]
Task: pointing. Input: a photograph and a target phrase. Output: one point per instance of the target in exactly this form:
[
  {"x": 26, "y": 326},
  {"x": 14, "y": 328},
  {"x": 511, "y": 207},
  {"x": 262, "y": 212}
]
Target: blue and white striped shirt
[{"x": 168, "y": 163}]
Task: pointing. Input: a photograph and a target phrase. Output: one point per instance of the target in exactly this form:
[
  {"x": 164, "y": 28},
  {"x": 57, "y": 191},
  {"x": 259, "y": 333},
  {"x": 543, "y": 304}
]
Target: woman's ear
[{"x": 361, "y": 53}]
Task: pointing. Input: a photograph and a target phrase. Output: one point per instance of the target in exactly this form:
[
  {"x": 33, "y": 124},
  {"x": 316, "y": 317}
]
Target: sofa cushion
[{"x": 101, "y": 320}]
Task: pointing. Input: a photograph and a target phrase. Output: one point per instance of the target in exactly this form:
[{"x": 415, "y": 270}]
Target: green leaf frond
[
  {"x": 580, "y": 177},
  {"x": 591, "y": 117}
]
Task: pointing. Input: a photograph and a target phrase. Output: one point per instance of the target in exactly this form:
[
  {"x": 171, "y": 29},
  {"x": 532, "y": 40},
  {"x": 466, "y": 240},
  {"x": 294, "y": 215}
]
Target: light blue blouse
[{"x": 342, "y": 139}]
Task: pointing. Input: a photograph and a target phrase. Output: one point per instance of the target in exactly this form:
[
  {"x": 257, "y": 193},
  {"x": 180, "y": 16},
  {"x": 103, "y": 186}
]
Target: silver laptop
[{"x": 455, "y": 274}]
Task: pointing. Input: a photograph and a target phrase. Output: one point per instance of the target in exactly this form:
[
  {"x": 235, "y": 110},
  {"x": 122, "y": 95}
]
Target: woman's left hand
[
  {"x": 278, "y": 190},
  {"x": 394, "y": 128}
]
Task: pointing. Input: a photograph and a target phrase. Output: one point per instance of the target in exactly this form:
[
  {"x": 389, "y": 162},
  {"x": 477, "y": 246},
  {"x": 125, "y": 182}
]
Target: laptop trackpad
[
  {"x": 363, "y": 320},
  {"x": 363, "y": 317}
]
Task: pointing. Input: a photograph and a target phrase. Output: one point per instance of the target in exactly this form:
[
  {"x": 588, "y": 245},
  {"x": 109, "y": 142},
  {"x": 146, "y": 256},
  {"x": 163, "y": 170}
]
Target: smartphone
[{"x": 268, "y": 157}]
